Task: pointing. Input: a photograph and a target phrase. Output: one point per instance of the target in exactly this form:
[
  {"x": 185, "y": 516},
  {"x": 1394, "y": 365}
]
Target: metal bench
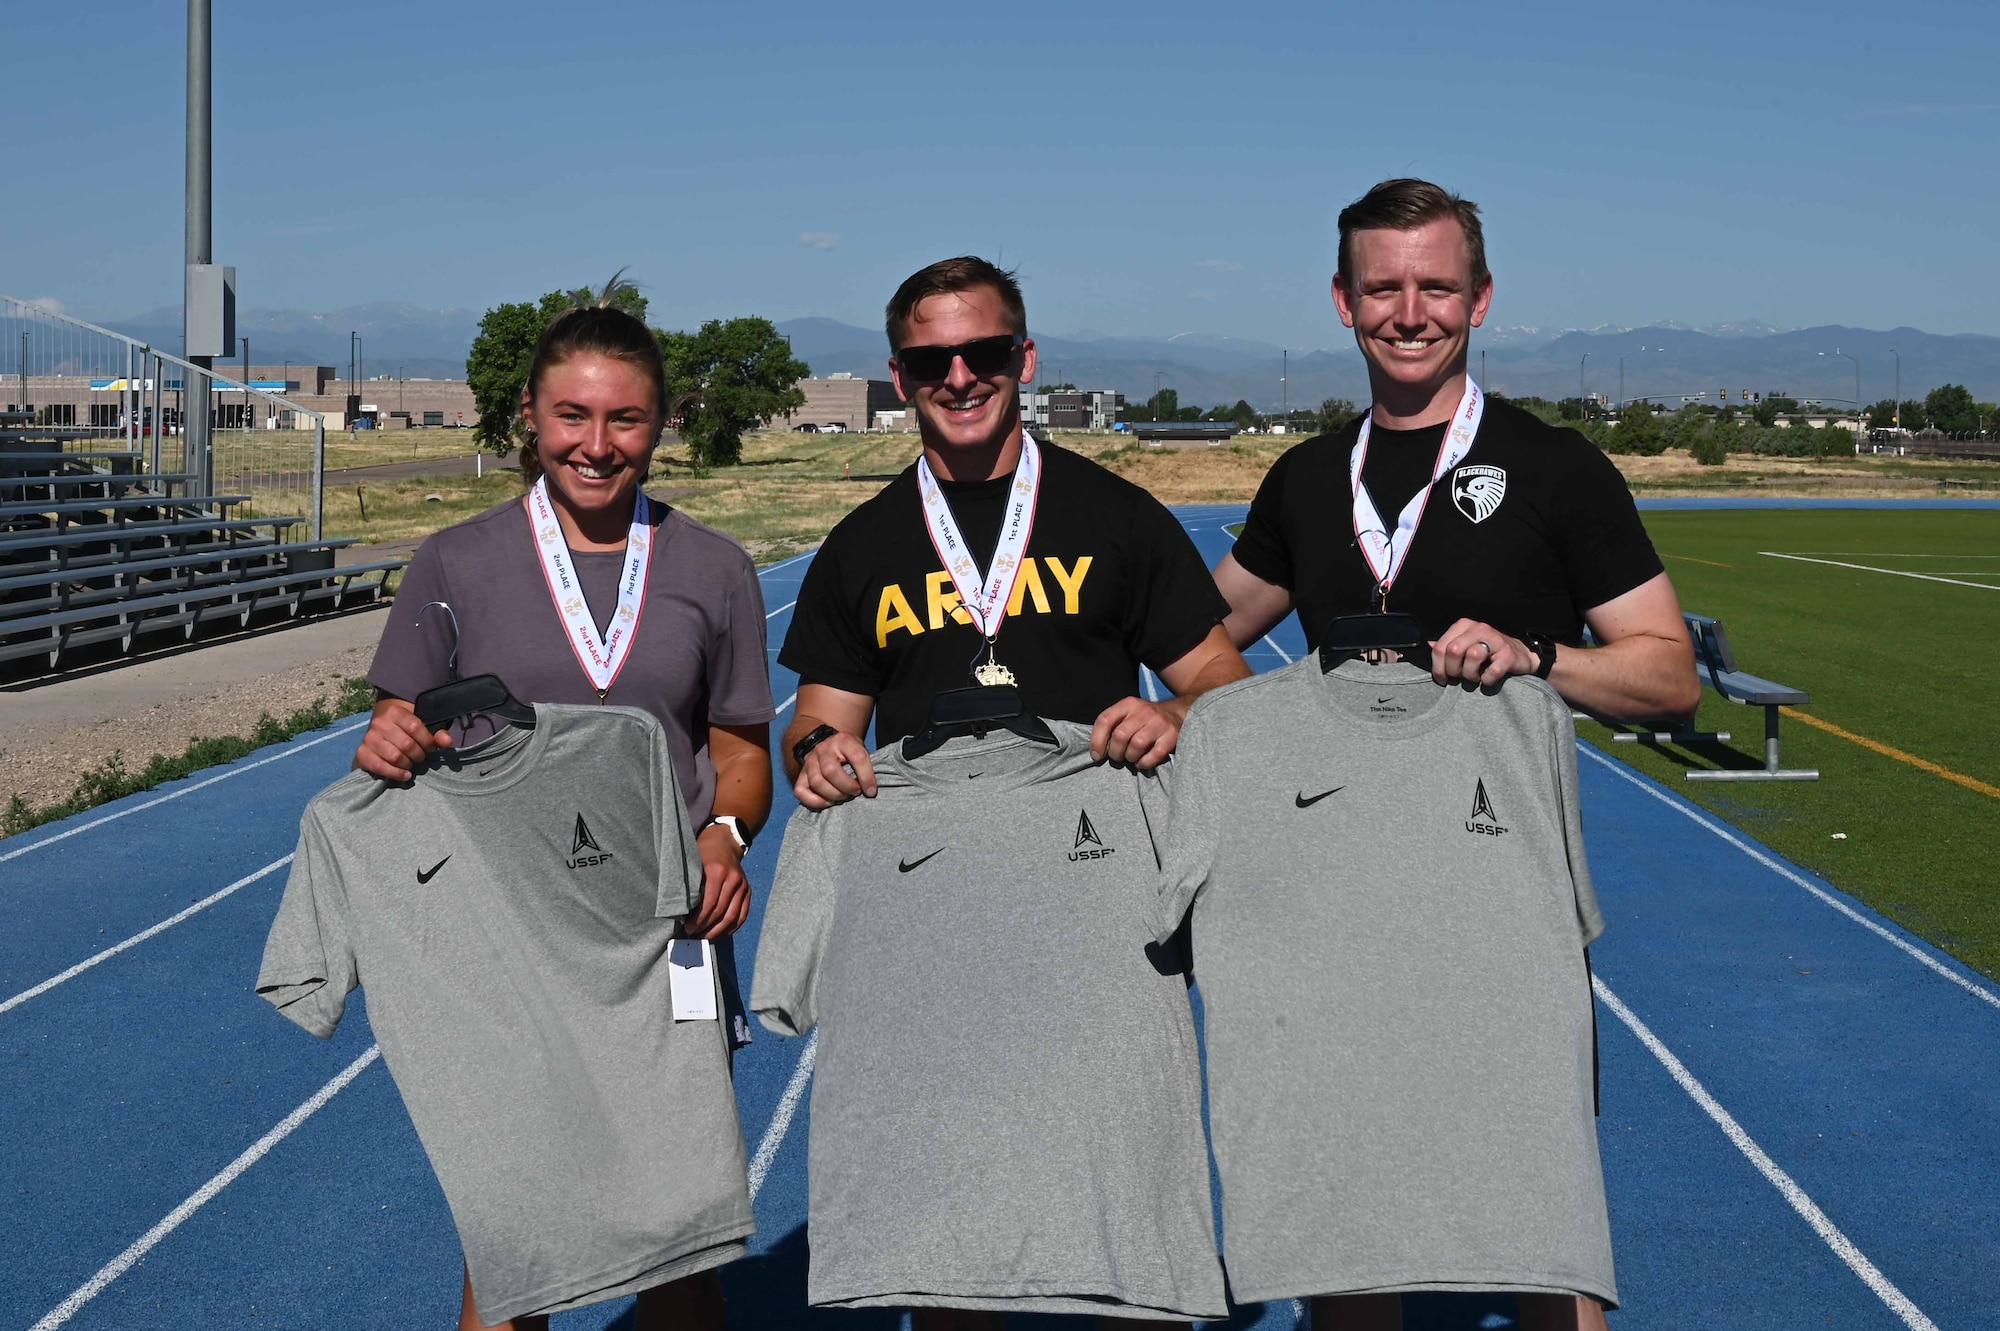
[
  {"x": 75, "y": 480},
  {"x": 66, "y": 508},
  {"x": 123, "y": 533},
  {"x": 75, "y": 589},
  {"x": 90, "y": 568},
  {"x": 1716, "y": 665},
  {"x": 55, "y": 632}
]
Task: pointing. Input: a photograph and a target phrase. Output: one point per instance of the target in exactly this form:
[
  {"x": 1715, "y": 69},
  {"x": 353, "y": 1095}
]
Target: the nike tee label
[
  {"x": 904, "y": 866},
  {"x": 1306, "y": 803},
  {"x": 425, "y": 875}
]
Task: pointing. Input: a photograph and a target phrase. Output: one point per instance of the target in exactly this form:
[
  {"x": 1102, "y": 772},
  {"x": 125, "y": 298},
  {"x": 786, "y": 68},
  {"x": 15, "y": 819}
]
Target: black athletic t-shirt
[
  {"x": 1109, "y": 580},
  {"x": 1534, "y": 527}
]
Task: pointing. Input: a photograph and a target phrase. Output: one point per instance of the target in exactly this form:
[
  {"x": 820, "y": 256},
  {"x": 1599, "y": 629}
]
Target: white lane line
[
  {"x": 1152, "y": 686},
  {"x": 1896, "y": 572},
  {"x": 235, "y": 770},
  {"x": 141, "y": 936},
  {"x": 1783, "y": 871},
  {"x": 785, "y": 706},
  {"x": 201, "y": 1196},
  {"x": 1276, "y": 648},
  {"x": 1843, "y": 1247},
  {"x": 781, "y": 1121},
  {"x": 781, "y": 609}
]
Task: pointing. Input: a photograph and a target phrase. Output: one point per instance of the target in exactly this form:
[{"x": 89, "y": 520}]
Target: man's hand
[
  {"x": 725, "y": 891},
  {"x": 1140, "y": 733},
  {"x": 396, "y": 742},
  {"x": 1479, "y": 654},
  {"x": 835, "y": 771}
]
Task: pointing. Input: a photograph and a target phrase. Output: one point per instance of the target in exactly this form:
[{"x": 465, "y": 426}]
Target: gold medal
[{"x": 990, "y": 673}]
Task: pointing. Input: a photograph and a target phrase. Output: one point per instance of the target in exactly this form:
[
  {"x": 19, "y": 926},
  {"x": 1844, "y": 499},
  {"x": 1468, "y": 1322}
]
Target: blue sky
[{"x": 1152, "y": 168}]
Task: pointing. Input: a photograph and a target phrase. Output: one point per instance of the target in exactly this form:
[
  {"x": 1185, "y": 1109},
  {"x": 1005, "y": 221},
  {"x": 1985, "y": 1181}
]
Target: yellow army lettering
[{"x": 894, "y": 610}]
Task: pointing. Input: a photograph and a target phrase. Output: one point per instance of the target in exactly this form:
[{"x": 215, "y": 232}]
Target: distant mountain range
[{"x": 1665, "y": 358}]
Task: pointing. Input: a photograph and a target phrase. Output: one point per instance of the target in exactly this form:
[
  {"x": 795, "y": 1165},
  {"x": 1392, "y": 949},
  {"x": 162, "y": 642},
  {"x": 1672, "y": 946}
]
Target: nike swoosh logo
[
  {"x": 1380, "y": 701},
  {"x": 1305, "y": 803},
  {"x": 974, "y": 776},
  {"x": 904, "y": 866},
  {"x": 425, "y": 875}
]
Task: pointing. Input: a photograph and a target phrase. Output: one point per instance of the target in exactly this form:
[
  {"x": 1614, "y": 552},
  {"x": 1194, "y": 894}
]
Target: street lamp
[
  {"x": 1899, "y": 386},
  {"x": 1857, "y": 379},
  {"x": 1582, "y": 390},
  {"x": 1621, "y": 376}
]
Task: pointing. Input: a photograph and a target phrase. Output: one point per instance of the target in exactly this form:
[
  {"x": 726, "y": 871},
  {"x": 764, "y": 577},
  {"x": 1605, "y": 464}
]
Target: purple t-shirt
[{"x": 698, "y": 656}]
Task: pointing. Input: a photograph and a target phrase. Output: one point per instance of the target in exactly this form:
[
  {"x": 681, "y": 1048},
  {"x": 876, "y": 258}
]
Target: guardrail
[{"x": 90, "y": 389}]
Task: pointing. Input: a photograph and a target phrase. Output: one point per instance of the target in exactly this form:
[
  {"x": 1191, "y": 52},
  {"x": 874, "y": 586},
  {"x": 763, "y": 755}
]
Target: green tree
[
  {"x": 1165, "y": 405},
  {"x": 1913, "y": 414},
  {"x": 1951, "y": 408},
  {"x": 1335, "y": 412},
  {"x": 1708, "y": 447},
  {"x": 496, "y": 369},
  {"x": 1638, "y": 431},
  {"x": 1882, "y": 415},
  {"x": 726, "y": 377},
  {"x": 1764, "y": 411}
]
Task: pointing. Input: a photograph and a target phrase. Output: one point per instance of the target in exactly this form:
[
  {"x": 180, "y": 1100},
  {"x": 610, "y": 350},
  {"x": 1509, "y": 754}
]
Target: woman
[{"x": 671, "y": 620}]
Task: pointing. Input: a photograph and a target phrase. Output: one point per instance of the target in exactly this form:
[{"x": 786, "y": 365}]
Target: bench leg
[{"x": 1771, "y": 770}]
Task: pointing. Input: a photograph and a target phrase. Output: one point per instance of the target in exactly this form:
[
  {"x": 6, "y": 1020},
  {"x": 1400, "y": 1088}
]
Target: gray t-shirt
[
  {"x": 1390, "y": 906},
  {"x": 510, "y": 912},
  {"x": 1006, "y": 1105},
  {"x": 698, "y": 656}
]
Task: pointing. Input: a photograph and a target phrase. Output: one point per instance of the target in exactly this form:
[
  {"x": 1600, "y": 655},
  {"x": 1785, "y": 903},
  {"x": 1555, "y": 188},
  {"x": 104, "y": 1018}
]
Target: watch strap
[
  {"x": 811, "y": 740},
  {"x": 1544, "y": 649},
  {"x": 735, "y": 828}
]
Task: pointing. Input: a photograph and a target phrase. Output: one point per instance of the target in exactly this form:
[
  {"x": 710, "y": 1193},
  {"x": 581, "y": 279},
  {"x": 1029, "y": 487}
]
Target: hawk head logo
[{"x": 1477, "y": 491}]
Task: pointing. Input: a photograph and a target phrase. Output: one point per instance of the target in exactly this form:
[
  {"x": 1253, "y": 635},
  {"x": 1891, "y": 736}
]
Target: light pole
[
  {"x": 1857, "y": 379},
  {"x": 1899, "y": 386},
  {"x": 1482, "y": 369},
  {"x": 200, "y": 239},
  {"x": 1284, "y": 383},
  {"x": 1582, "y": 388}
]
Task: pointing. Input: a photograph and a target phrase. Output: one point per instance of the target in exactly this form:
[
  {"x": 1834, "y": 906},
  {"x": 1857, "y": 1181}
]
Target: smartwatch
[
  {"x": 735, "y": 826},
  {"x": 809, "y": 741},
  {"x": 1544, "y": 649}
]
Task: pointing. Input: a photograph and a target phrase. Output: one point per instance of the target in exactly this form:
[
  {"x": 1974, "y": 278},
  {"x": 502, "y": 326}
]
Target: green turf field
[
  {"x": 1908, "y": 662},
  {"x": 1905, "y": 661}
]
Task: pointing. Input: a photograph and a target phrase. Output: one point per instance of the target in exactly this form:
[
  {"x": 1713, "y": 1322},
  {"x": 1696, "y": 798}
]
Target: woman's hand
[
  {"x": 396, "y": 742},
  {"x": 725, "y": 890}
]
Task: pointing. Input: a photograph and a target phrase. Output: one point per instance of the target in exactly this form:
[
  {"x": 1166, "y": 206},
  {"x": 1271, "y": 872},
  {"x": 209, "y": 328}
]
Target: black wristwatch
[
  {"x": 1544, "y": 649},
  {"x": 810, "y": 741}
]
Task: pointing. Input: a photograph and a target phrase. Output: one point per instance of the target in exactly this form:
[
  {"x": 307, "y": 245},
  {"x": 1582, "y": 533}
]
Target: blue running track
[{"x": 1798, "y": 1124}]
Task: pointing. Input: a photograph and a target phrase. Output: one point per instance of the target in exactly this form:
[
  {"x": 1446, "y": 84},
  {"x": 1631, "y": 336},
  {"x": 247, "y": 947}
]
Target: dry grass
[
  {"x": 792, "y": 488},
  {"x": 369, "y": 448}
]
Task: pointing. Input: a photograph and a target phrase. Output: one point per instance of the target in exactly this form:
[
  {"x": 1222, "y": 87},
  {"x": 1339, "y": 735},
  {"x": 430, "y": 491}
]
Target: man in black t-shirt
[
  {"x": 1502, "y": 535},
  {"x": 1103, "y": 579}
]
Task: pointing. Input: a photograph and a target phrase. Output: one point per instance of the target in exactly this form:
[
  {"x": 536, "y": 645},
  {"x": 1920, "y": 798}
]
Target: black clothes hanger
[
  {"x": 975, "y": 711},
  {"x": 1350, "y": 635},
  {"x": 458, "y": 698}
]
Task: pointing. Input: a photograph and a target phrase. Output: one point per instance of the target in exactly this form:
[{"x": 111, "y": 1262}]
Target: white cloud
[
  {"x": 820, "y": 240},
  {"x": 1219, "y": 265},
  {"x": 49, "y": 303}
]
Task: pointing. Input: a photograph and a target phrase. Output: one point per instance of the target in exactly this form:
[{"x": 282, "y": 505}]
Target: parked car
[
  {"x": 833, "y": 427},
  {"x": 807, "y": 428}
]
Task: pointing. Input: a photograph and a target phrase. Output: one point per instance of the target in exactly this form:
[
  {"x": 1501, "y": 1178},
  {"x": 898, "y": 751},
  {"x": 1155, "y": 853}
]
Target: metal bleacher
[{"x": 93, "y": 549}]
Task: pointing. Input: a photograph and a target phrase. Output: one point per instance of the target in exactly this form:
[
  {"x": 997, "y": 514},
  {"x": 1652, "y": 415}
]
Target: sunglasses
[{"x": 983, "y": 356}]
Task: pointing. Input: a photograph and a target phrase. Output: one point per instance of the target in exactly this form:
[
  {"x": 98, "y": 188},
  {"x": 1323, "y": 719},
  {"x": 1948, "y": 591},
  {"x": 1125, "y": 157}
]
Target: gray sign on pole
[{"x": 211, "y": 309}]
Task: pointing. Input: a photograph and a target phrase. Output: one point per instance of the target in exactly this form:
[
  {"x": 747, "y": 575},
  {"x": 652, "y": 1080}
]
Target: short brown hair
[
  {"x": 1404, "y": 205},
  {"x": 949, "y": 275},
  {"x": 596, "y": 329}
]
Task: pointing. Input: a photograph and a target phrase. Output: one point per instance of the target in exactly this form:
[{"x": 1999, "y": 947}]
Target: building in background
[
  {"x": 845, "y": 400},
  {"x": 1071, "y": 409},
  {"x": 94, "y": 400}
]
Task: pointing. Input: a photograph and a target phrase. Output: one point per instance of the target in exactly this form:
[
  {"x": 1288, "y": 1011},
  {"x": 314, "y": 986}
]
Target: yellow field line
[
  {"x": 1692, "y": 560},
  {"x": 1888, "y": 751}
]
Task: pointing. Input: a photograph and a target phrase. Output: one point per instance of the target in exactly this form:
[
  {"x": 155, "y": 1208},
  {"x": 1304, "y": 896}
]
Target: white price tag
[{"x": 691, "y": 966}]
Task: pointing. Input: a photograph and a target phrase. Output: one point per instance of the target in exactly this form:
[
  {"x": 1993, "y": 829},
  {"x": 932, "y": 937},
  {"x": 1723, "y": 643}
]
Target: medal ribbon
[
  {"x": 601, "y": 656},
  {"x": 1384, "y": 552},
  {"x": 985, "y": 599}
]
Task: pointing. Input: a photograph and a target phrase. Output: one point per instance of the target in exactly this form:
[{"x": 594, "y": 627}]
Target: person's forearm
[
  {"x": 1224, "y": 669},
  {"x": 743, "y": 790},
  {"x": 1636, "y": 680}
]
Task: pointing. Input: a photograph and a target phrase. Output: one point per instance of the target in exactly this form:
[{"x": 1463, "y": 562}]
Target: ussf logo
[{"x": 1088, "y": 845}]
